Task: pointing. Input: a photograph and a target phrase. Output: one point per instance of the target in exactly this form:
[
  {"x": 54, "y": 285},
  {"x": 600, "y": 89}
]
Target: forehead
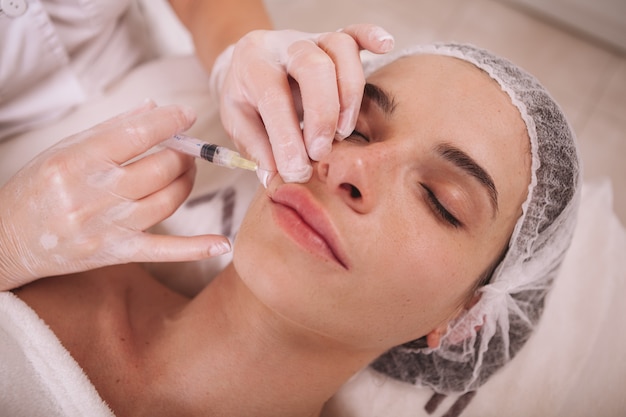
[
  {"x": 442, "y": 77},
  {"x": 451, "y": 96},
  {"x": 426, "y": 63}
]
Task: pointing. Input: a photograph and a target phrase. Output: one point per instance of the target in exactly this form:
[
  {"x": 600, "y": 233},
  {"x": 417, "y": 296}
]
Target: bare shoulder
[
  {"x": 99, "y": 317},
  {"x": 80, "y": 293},
  {"x": 85, "y": 309}
]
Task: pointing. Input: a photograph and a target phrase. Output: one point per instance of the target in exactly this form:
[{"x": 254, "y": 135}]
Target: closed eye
[
  {"x": 439, "y": 209},
  {"x": 357, "y": 136}
]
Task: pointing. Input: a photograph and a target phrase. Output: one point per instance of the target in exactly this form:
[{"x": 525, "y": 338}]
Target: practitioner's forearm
[{"x": 215, "y": 24}]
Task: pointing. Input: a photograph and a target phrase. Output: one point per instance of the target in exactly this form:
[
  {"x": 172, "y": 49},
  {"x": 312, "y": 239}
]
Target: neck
[{"x": 241, "y": 359}]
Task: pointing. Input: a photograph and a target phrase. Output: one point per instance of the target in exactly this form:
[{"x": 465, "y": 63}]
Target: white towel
[{"x": 38, "y": 377}]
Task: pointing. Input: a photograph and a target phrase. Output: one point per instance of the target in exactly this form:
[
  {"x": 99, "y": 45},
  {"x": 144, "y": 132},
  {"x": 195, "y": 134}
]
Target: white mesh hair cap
[{"x": 512, "y": 300}]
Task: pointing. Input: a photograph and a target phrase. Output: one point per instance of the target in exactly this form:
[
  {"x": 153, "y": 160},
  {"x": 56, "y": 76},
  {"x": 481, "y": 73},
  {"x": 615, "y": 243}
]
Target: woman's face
[{"x": 388, "y": 238}]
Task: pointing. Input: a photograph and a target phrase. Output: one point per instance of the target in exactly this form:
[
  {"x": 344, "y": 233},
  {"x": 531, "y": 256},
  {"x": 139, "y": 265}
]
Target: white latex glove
[
  {"x": 81, "y": 204},
  {"x": 269, "y": 79}
]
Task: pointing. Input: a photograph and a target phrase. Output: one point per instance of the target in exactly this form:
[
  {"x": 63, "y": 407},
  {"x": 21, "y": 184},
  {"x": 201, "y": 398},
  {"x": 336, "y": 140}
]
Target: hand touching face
[{"x": 387, "y": 240}]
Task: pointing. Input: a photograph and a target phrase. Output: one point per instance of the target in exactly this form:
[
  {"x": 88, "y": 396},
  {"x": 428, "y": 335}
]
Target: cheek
[{"x": 413, "y": 280}]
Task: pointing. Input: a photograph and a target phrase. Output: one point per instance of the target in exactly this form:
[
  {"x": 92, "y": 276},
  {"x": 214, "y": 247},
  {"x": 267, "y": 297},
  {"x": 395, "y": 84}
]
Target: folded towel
[{"x": 38, "y": 376}]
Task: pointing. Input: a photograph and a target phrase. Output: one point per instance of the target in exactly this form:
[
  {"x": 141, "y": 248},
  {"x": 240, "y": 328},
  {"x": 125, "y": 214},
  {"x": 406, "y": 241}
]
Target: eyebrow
[
  {"x": 463, "y": 161},
  {"x": 383, "y": 99}
]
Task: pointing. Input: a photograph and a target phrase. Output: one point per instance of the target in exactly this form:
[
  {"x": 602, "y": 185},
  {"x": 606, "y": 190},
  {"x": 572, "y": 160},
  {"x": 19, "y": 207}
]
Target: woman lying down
[{"x": 424, "y": 246}]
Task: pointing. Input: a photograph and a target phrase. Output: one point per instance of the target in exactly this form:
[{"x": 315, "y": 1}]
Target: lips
[{"x": 301, "y": 217}]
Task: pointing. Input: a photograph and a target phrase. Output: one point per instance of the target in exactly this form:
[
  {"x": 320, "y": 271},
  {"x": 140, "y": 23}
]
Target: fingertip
[
  {"x": 347, "y": 121},
  {"x": 145, "y": 105},
  {"x": 385, "y": 39},
  {"x": 148, "y": 103},
  {"x": 300, "y": 175},
  {"x": 372, "y": 37},
  {"x": 319, "y": 148},
  {"x": 265, "y": 176},
  {"x": 220, "y": 247},
  {"x": 189, "y": 113}
]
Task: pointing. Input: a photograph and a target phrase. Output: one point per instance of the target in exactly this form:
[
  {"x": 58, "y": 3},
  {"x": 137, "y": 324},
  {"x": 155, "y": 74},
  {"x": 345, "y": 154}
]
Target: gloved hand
[
  {"x": 269, "y": 78},
  {"x": 84, "y": 204}
]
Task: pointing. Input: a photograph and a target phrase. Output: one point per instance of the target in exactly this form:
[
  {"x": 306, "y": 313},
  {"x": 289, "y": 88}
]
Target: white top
[{"x": 55, "y": 54}]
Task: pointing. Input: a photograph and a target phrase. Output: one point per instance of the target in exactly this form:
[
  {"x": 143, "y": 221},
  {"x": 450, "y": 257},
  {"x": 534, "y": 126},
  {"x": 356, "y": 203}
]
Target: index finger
[
  {"x": 370, "y": 37},
  {"x": 134, "y": 134},
  {"x": 277, "y": 110}
]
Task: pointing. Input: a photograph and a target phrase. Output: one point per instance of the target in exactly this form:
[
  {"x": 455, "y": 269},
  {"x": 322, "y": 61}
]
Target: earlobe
[
  {"x": 472, "y": 302},
  {"x": 433, "y": 339}
]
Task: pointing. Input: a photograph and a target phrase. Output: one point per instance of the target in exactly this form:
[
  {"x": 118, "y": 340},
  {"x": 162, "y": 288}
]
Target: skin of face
[{"x": 362, "y": 254}]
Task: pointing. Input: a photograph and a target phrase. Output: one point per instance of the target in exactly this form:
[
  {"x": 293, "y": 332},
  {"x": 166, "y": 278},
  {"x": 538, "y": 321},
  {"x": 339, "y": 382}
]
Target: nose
[{"x": 356, "y": 174}]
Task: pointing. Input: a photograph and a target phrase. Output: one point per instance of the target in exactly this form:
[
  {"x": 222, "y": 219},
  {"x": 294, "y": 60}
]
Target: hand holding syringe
[
  {"x": 106, "y": 173},
  {"x": 218, "y": 155}
]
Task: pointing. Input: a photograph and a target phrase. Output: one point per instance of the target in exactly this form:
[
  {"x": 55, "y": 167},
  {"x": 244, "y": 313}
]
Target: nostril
[{"x": 354, "y": 192}]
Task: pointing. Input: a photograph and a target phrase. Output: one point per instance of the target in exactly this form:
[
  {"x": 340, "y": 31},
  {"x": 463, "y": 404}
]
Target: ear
[
  {"x": 472, "y": 301},
  {"x": 433, "y": 339}
]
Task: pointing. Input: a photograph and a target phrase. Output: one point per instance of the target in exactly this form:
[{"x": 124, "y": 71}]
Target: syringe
[{"x": 218, "y": 155}]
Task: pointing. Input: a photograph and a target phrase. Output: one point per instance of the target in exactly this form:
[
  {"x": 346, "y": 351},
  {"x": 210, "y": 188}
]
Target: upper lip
[{"x": 302, "y": 202}]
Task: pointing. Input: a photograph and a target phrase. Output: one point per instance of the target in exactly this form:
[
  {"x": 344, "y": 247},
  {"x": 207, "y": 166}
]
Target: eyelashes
[
  {"x": 357, "y": 136},
  {"x": 439, "y": 209}
]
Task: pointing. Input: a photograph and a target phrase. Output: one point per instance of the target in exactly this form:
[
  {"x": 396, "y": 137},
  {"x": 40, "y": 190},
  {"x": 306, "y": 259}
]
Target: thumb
[{"x": 136, "y": 133}]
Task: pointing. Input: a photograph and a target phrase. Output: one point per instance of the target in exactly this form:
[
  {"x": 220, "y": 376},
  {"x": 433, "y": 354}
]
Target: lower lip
[{"x": 299, "y": 231}]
